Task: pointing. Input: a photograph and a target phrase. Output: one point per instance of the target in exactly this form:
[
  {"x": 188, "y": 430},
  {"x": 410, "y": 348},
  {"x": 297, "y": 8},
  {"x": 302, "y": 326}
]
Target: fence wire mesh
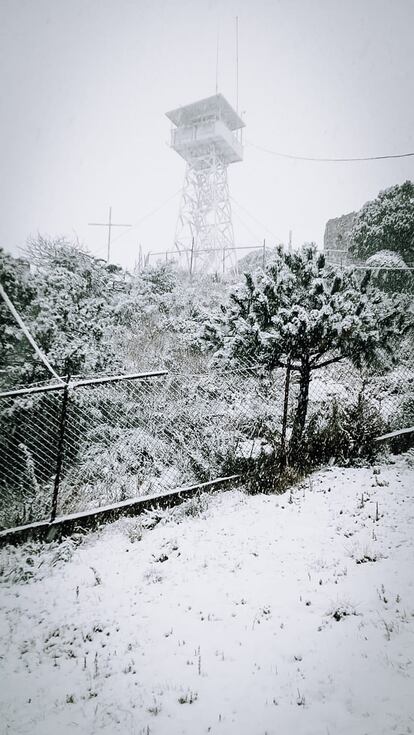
[
  {"x": 144, "y": 437},
  {"x": 134, "y": 437},
  {"x": 29, "y": 437},
  {"x": 124, "y": 440}
]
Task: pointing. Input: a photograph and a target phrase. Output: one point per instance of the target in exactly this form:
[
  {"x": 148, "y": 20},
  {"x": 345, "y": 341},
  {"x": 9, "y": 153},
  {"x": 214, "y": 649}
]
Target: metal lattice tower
[{"x": 205, "y": 135}]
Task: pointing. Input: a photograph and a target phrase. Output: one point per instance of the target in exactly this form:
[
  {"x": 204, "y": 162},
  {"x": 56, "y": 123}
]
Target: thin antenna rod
[
  {"x": 109, "y": 235},
  {"x": 217, "y": 56},
  {"x": 237, "y": 63}
]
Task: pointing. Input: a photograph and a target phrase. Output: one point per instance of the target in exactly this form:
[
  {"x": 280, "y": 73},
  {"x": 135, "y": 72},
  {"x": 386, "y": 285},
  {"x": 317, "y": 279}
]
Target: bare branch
[{"x": 327, "y": 362}]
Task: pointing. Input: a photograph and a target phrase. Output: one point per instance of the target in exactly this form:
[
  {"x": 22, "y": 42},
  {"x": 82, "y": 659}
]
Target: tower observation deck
[{"x": 206, "y": 134}]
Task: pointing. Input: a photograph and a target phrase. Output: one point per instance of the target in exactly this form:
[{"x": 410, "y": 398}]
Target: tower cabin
[{"x": 203, "y": 126}]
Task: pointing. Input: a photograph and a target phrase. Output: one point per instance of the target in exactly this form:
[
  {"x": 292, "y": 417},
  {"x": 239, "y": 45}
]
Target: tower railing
[{"x": 215, "y": 132}]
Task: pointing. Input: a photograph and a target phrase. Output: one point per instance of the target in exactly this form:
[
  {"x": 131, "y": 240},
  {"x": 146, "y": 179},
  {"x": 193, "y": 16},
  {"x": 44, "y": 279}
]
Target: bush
[{"x": 343, "y": 433}]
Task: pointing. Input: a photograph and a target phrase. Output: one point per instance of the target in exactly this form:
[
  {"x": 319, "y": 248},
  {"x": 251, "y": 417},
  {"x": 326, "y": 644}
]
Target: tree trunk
[
  {"x": 301, "y": 412},
  {"x": 283, "y": 447}
]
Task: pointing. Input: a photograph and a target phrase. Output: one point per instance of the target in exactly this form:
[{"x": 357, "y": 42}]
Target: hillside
[{"x": 235, "y": 613}]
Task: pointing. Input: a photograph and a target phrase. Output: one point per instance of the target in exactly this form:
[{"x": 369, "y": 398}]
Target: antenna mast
[
  {"x": 217, "y": 57},
  {"x": 237, "y": 63}
]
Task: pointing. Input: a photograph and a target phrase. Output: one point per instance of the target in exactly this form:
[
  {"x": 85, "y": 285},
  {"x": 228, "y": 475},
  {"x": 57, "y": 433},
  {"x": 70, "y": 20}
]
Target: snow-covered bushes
[
  {"x": 139, "y": 437},
  {"x": 390, "y": 272},
  {"x": 208, "y": 417},
  {"x": 342, "y": 432}
]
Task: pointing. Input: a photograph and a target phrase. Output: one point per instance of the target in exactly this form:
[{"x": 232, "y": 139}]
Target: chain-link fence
[
  {"x": 29, "y": 434},
  {"x": 93, "y": 443}
]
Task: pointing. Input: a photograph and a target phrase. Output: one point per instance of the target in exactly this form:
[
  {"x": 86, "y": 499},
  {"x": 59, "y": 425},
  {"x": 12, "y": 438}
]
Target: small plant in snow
[
  {"x": 193, "y": 507},
  {"x": 152, "y": 576},
  {"x": 389, "y": 627},
  {"x": 155, "y": 708},
  {"x": 382, "y": 595},
  {"x": 367, "y": 554},
  {"x": 63, "y": 552},
  {"x": 342, "y": 610},
  {"x": 188, "y": 698},
  {"x": 98, "y": 578},
  {"x": 134, "y": 532},
  {"x": 300, "y": 701}
]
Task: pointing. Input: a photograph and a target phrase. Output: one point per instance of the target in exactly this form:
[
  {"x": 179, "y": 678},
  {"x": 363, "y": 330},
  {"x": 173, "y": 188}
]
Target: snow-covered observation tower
[{"x": 207, "y": 134}]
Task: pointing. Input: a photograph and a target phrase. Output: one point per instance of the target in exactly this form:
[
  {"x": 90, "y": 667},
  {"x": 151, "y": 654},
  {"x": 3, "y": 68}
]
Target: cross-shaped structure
[{"x": 109, "y": 225}]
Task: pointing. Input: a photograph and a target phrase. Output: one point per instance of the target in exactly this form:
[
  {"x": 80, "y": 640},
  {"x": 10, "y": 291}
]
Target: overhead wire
[
  {"x": 317, "y": 159},
  {"x": 149, "y": 214},
  {"x": 279, "y": 154},
  {"x": 257, "y": 221}
]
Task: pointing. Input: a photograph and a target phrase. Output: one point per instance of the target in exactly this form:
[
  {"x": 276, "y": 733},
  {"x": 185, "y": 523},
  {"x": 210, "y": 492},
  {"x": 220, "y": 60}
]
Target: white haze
[{"x": 85, "y": 85}]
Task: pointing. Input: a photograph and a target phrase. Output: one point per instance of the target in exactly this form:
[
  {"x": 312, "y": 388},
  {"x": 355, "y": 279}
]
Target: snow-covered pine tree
[{"x": 299, "y": 313}]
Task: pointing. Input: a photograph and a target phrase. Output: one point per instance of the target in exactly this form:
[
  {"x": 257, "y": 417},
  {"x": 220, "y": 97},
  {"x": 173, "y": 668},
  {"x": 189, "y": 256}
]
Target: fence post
[
  {"x": 59, "y": 458},
  {"x": 192, "y": 256},
  {"x": 283, "y": 452}
]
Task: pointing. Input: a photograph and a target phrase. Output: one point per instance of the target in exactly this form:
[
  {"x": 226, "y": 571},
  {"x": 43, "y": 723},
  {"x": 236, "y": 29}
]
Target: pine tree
[{"x": 300, "y": 314}]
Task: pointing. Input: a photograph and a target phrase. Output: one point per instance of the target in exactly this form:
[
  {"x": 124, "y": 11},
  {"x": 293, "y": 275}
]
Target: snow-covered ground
[{"x": 235, "y": 614}]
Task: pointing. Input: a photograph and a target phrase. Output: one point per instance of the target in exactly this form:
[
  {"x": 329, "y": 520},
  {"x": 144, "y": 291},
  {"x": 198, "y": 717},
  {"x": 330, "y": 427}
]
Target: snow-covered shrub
[
  {"x": 113, "y": 465},
  {"x": 341, "y": 609},
  {"x": 343, "y": 432},
  {"x": 391, "y": 272},
  {"x": 137, "y": 438}
]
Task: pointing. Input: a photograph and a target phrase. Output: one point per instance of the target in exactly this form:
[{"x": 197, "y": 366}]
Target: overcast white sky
[{"x": 85, "y": 85}]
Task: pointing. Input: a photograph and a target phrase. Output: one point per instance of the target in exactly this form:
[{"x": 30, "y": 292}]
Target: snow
[{"x": 235, "y": 614}]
